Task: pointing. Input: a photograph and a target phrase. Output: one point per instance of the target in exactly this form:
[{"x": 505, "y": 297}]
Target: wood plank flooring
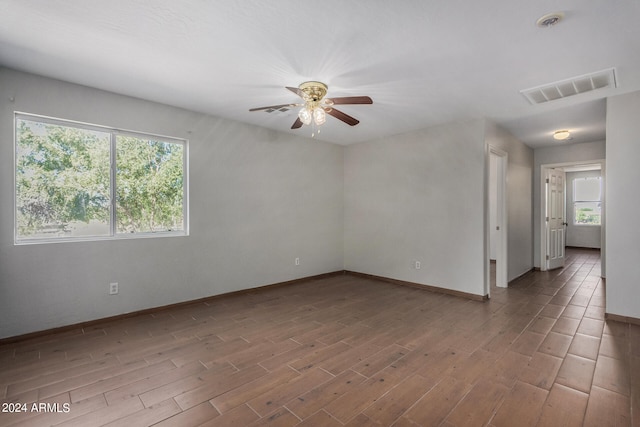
[{"x": 343, "y": 351}]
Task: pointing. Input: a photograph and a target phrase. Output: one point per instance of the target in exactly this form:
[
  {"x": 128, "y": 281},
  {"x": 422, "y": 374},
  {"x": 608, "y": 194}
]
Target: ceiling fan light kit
[{"x": 316, "y": 107}]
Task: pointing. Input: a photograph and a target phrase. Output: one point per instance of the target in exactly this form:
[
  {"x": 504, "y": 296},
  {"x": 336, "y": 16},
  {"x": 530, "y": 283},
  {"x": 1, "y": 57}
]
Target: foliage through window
[
  {"x": 587, "y": 201},
  {"x": 78, "y": 181}
]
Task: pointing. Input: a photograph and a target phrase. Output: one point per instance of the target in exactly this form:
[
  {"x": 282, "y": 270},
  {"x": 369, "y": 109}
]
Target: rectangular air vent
[{"x": 573, "y": 86}]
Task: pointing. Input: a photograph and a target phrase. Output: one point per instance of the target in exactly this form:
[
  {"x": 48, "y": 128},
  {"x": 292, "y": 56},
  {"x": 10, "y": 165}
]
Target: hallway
[{"x": 600, "y": 370}]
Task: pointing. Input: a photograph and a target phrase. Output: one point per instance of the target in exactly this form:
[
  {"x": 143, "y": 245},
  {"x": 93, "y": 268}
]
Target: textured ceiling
[{"x": 422, "y": 62}]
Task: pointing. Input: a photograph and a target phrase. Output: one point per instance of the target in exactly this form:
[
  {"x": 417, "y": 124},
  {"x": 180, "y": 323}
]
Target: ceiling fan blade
[
  {"x": 352, "y": 100},
  {"x": 296, "y": 91},
  {"x": 342, "y": 116},
  {"x": 273, "y": 107},
  {"x": 297, "y": 124}
]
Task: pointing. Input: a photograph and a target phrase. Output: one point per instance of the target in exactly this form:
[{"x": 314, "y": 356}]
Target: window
[
  {"x": 83, "y": 182},
  {"x": 586, "y": 201}
]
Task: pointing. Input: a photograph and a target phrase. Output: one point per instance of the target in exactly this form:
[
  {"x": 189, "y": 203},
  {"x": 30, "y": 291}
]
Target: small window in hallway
[{"x": 587, "y": 201}]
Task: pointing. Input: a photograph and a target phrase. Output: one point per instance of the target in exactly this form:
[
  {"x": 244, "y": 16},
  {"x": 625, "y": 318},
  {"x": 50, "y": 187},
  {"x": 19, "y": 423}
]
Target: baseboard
[
  {"x": 623, "y": 319},
  {"x": 582, "y": 248},
  {"x": 435, "y": 289},
  {"x": 153, "y": 310}
]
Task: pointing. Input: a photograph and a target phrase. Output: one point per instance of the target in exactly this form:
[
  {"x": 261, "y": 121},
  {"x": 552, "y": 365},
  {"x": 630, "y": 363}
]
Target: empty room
[{"x": 357, "y": 213}]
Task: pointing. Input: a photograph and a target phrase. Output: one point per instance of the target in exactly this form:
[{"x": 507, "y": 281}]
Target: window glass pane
[
  {"x": 587, "y": 213},
  {"x": 149, "y": 185},
  {"x": 62, "y": 181},
  {"x": 586, "y": 189},
  {"x": 64, "y": 173}
]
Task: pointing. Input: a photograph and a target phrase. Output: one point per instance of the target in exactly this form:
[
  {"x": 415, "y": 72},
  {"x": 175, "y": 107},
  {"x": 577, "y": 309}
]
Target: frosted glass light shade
[
  {"x": 319, "y": 116},
  {"x": 305, "y": 116}
]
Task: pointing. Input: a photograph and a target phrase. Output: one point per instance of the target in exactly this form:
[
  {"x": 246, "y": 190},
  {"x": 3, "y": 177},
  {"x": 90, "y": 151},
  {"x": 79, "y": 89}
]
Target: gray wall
[
  {"x": 581, "y": 236},
  {"x": 585, "y": 152},
  {"x": 258, "y": 199},
  {"x": 519, "y": 203},
  {"x": 623, "y": 205},
  {"x": 418, "y": 197}
]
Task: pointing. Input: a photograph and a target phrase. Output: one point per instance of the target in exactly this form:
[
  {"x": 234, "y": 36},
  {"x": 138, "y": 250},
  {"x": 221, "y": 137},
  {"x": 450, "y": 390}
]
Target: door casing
[
  {"x": 543, "y": 208},
  {"x": 502, "y": 158}
]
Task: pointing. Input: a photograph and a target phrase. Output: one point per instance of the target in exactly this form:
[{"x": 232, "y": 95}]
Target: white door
[{"x": 555, "y": 218}]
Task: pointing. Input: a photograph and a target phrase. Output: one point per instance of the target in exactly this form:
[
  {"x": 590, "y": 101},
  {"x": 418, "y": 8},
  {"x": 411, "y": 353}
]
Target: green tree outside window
[{"x": 63, "y": 182}]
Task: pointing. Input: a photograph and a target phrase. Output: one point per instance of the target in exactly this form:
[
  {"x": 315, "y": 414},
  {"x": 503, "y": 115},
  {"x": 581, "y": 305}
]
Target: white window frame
[
  {"x": 114, "y": 133},
  {"x": 574, "y": 201}
]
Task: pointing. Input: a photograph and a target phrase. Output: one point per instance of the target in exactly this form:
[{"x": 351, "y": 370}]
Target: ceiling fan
[{"x": 315, "y": 106}]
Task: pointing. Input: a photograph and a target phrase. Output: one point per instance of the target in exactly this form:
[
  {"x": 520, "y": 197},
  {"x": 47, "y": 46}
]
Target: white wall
[
  {"x": 258, "y": 200},
  {"x": 418, "y": 197},
  {"x": 585, "y": 152},
  {"x": 519, "y": 203},
  {"x": 581, "y": 236},
  {"x": 623, "y": 205}
]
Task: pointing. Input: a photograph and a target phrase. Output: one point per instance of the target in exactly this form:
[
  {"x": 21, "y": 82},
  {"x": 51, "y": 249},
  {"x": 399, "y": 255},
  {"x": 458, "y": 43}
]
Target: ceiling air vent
[{"x": 573, "y": 86}]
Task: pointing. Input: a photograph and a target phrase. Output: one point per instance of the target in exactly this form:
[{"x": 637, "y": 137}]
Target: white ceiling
[{"x": 423, "y": 62}]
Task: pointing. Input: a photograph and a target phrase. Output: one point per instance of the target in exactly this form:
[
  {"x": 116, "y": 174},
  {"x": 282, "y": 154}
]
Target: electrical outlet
[
  {"x": 297, "y": 261},
  {"x": 417, "y": 265},
  {"x": 113, "y": 288}
]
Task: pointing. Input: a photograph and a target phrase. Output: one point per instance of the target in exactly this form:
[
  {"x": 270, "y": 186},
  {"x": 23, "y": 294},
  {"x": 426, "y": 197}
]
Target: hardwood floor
[{"x": 343, "y": 350}]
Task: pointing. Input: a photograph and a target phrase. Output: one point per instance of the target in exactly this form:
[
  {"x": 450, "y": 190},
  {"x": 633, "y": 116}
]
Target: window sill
[{"x": 130, "y": 236}]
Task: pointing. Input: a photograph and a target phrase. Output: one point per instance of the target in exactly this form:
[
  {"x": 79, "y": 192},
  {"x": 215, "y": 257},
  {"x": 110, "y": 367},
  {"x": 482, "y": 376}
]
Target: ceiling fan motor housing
[{"x": 313, "y": 91}]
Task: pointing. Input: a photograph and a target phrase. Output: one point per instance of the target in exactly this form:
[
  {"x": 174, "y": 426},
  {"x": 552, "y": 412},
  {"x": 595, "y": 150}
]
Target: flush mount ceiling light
[
  {"x": 550, "y": 19},
  {"x": 316, "y": 107},
  {"x": 561, "y": 135}
]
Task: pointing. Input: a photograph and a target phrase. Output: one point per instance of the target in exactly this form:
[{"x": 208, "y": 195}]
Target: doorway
[
  {"x": 549, "y": 230},
  {"x": 497, "y": 221}
]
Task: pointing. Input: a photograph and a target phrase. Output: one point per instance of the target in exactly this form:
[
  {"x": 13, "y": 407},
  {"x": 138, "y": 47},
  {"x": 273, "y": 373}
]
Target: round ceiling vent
[{"x": 550, "y": 19}]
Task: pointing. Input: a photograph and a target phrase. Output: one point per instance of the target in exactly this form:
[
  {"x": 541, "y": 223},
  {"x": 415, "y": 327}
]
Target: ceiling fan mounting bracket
[{"x": 313, "y": 91}]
